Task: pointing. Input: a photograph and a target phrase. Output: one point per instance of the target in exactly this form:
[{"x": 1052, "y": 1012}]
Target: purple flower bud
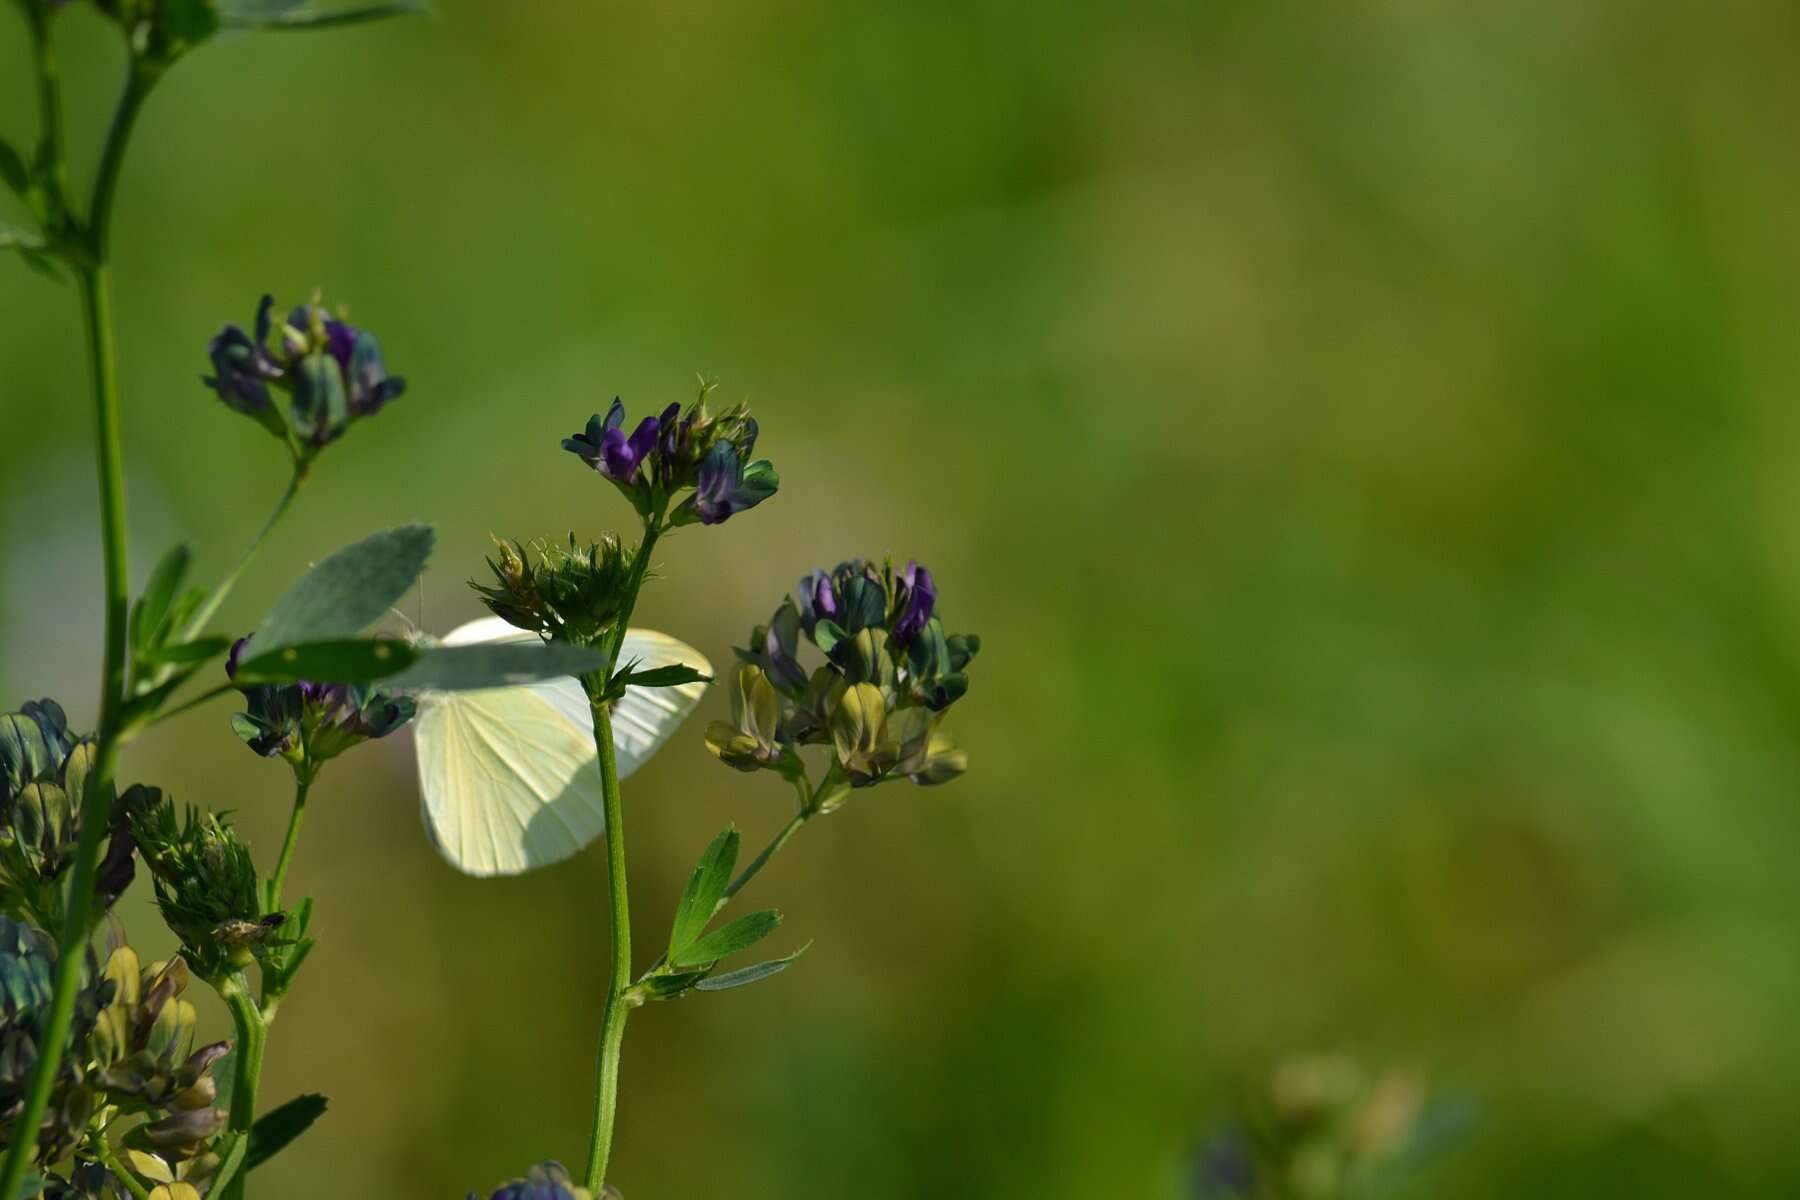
[
  {"x": 235, "y": 656},
  {"x": 818, "y": 599},
  {"x": 918, "y": 594},
  {"x": 242, "y": 367}
]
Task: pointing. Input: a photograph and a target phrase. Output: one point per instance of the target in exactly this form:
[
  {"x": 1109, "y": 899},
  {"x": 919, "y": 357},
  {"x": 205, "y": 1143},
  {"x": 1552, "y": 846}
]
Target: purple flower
[
  {"x": 367, "y": 385},
  {"x": 242, "y": 366},
  {"x": 917, "y": 595},
  {"x": 725, "y": 486},
  {"x": 818, "y": 599},
  {"x": 604, "y": 446},
  {"x": 312, "y": 722}
]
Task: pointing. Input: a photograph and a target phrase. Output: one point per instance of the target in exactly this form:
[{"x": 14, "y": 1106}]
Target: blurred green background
[{"x": 1363, "y": 434}]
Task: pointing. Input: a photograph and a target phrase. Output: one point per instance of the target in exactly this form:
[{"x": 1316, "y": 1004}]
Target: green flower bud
[
  {"x": 206, "y": 885},
  {"x": 751, "y": 742},
  {"x": 572, "y": 595}
]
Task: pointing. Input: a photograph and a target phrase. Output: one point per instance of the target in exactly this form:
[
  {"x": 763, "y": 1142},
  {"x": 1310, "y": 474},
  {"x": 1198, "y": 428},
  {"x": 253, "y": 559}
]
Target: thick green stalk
[
  {"x": 252, "y": 1035},
  {"x": 612, "y": 1018},
  {"x": 618, "y": 1006},
  {"x": 95, "y": 287},
  {"x": 96, "y": 814}
]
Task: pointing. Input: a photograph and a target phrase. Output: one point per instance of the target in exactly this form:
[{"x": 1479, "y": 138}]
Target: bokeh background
[{"x": 1364, "y": 435}]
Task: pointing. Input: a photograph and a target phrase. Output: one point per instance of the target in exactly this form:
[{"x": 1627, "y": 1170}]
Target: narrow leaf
[
  {"x": 197, "y": 651},
  {"x": 744, "y": 975},
  {"x": 701, "y": 898},
  {"x": 279, "y": 1126},
  {"x": 346, "y": 592},
  {"x": 661, "y": 677},
  {"x": 352, "y": 661},
  {"x": 159, "y": 593},
  {"x": 13, "y": 171},
  {"x": 668, "y": 986},
  {"x": 467, "y": 668},
  {"x": 741, "y": 934},
  {"x": 310, "y": 18}
]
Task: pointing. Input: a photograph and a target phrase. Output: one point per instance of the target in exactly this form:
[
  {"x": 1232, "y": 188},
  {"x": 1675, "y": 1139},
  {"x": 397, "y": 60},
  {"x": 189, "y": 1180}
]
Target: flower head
[
  {"x": 705, "y": 454},
  {"x": 889, "y": 672},
  {"x": 311, "y": 723},
  {"x": 332, "y": 372}
]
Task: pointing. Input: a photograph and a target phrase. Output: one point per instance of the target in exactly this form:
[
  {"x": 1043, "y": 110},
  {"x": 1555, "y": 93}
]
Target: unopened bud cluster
[{"x": 571, "y": 593}]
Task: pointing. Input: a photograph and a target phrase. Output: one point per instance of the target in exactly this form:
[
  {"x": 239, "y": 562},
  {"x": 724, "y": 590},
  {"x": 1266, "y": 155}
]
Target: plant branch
[
  {"x": 618, "y": 1004},
  {"x": 205, "y": 612},
  {"x": 103, "y": 1151},
  {"x": 96, "y": 805},
  {"x": 302, "y": 786},
  {"x": 252, "y": 1032}
]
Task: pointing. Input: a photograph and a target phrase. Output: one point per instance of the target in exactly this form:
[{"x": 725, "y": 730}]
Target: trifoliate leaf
[
  {"x": 350, "y": 661},
  {"x": 349, "y": 590}
]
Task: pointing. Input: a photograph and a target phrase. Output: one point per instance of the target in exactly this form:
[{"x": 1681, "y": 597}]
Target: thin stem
[
  {"x": 252, "y": 1034},
  {"x": 211, "y": 693},
  {"x": 49, "y": 86},
  {"x": 612, "y": 1018},
  {"x": 205, "y": 612},
  {"x": 302, "y": 786},
  {"x": 760, "y": 861},
  {"x": 618, "y": 1006},
  {"x": 103, "y": 1151},
  {"x": 138, "y": 83},
  {"x": 96, "y": 815}
]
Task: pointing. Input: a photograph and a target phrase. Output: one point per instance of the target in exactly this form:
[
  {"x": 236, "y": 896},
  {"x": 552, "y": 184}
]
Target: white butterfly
[{"x": 508, "y": 776}]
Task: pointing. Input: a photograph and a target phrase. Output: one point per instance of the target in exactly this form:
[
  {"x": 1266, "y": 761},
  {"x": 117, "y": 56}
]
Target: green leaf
[
  {"x": 159, "y": 593},
  {"x": 661, "y": 677},
  {"x": 350, "y": 661},
  {"x": 304, "y": 17},
  {"x": 667, "y": 986},
  {"x": 741, "y": 934},
  {"x": 190, "y": 22},
  {"x": 701, "y": 899},
  {"x": 279, "y": 1126},
  {"x": 745, "y": 975},
  {"x": 348, "y": 591},
  {"x": 467, "y": 668},
  {"x": 192, "y": 653},
  {"x": 13, "y": 171}
]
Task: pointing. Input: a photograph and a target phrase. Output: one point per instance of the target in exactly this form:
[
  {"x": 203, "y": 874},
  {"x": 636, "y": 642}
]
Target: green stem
[
  {"x": 205, "y": 612},
  {"x": 112, "y": 157},
  {"x": 612, "y": 1018},
  {"x": 96, "y": 805},
  {"x": 287, "y": 846},
  {"x": 252, "y": 1033},
  {"x": 49, "y": 87},
  {"x": 618, "y": 1006},
  {"x": 211, "y": 693},
  {"x": 760, "y": 861},
  {"x": 96, "y": 815},
  {"x": 103, "y": 1151}
]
